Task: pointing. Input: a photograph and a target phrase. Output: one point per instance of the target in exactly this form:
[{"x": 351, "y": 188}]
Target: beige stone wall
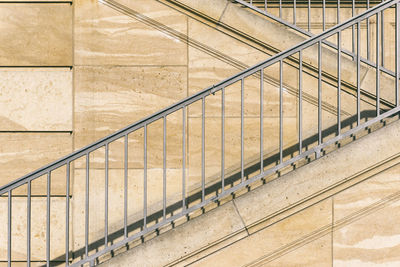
[{"x": 74, "y": 73}]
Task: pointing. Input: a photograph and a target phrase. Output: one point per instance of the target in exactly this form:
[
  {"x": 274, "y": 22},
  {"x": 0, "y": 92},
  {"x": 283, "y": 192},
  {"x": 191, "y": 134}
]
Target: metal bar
[
  {"x": 280, "y": 8},
  {"x": 280, "y": 112},
  {"x": 261, "y": 120},
  {"x": 319, "y": 93},
  {"x": 106, "y": 195},
  {"x": 48, "y": 220},
  {"x": 28, "y": 225},
  {"x": 164, "y": 167},
  {"x": 397, "y": 52},
  {"x": 338, "y": 12},
  {"x": 87, "y": 207},
  {"x": 265, "y": 6},
  {"x": 126, "y": 186},
  {"x": 239, "y": 186},
  {"x": 203, "y": 172},
  {"x": 9, "y": 228},
  {"x": 242, "y": 130},
  {"x": 145, "y": 179},
  {"x": 212, "y": 89},
  {"x": 67, "y": 215},
  {"x": 339, "y": 76},
  {"x": 368, "y": 35},
  {"x": 352, "y": 29},
  {"x": 184, "y": 158},
  {"x": 223, "y": 138},
  {"x": 378, "y": 20},
  {"x": 294, "y": 12},
  {"x": 300, "y": 101},
  {"x": 383, "y": 38},
  {"x": 358, "y": 72},
  {"x": 323, "y": 15},
  {"x": 309, "y": 15}
]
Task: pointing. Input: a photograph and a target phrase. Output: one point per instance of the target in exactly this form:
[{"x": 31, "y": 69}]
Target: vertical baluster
[
  {"x": 280, "y": 112},
  {"x": 368, "y": 35},
  {"x": 265, "y": 5},
  {"x": 358, "y": 72},
  {"x": 382, "y": 38},
  {"x": 378, "y": 33},
  {"x": 223, "y": 140},
  {"x": 319, "y": 93},
  {"x": 294, "y": 12},
  {"x": 261, "y": 120},
  {"x": 338, "y": 12},
  {"x": 203, "y": 173},
  {"x": 300, "y": 101},
  {"x": 106, "y": 196},
  {"x": 280, "y": 8},
  {"x": 183, "y": 158},
  {"x": 397, "y": 52},
  {"x": 309, "y": 15},
  {"x": 242, "y": 129},
  {"x": 28, "y": 225},
  {"x": 9, "y": 228},
  {"x": 323, "y": 15},
  {"x": 126, "y": 186},
  {"x": 67, "y": 215},
  {"x": 87, "y": 207},
  {"x": 145, "y": 179},
  {"x": 353, "y": 29},
  {"x": 164, "y": 166},
  {"x": 48, "y": 220},
  {"x": 339, "y": 84}
]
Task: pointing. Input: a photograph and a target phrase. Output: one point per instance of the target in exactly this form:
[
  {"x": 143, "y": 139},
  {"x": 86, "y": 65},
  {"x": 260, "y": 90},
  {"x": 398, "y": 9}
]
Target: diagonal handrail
[
  {"x": 201, "y": 97},
  {"x": 187, "y": 101}
]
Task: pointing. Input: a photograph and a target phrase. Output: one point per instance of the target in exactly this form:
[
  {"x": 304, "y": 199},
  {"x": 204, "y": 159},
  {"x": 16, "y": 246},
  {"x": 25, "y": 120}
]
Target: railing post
[
  {"x": 48, "y": 219},
  {"x": 106, "y": 148},
  {"x": 300, "y": 101},
  {"x": 67, "y": 215},
  {"x": 9, "y": 236},
  {"x": 28, "y": 225}
]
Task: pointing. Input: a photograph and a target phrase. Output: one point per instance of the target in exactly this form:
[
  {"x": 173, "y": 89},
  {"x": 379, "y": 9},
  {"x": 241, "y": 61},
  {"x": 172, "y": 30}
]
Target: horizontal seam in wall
[
  {"x": 138, "y": 65},
  {"x": 33, "y": 66},
  {"x": 69, "y": 132},
  {"x": 36, "y": 2}
]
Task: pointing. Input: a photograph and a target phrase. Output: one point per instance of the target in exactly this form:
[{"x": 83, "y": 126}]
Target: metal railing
[
  {"x": 269, "y": 8},
  {"x": 189, "y": 199}
]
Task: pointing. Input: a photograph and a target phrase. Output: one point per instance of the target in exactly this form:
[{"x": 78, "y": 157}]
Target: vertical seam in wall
[
  {"x": 240, "y": 216},
  {"x": 223, "y": 12}
]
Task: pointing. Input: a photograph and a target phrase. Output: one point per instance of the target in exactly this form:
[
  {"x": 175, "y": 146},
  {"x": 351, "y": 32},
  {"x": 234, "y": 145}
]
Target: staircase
[{"x": 228, "y": 156}]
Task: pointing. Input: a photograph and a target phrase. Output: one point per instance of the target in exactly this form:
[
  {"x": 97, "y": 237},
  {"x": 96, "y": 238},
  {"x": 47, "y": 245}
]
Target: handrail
[
  {"x": 210, "y": 90},
  {"x": 201, "y": 97}
]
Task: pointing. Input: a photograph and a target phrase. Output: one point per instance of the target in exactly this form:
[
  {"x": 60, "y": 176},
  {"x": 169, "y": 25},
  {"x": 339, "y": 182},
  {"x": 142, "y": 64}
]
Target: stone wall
[{"x": 75, "y": 72}]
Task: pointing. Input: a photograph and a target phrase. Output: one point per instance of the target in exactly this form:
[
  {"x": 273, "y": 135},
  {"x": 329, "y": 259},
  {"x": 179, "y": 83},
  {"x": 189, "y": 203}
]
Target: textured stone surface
[
  {"x": 21, "y": 153},
  {"x": 275, "y": 241},
  {"x": 110, "y": 98},
  {"x": 366, "y": 214},
  {"x": 36, "y": 100},
  {"x": 104, "y": 36},
  {"x": 47, "y": 41}
]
